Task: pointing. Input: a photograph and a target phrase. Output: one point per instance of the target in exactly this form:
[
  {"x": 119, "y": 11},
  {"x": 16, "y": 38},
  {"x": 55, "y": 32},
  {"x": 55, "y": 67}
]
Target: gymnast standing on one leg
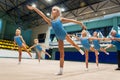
[
  {"x": 18, "y": 39},
  {"x": 96, "y": 43},
  {"x": 39, "y": 49},
  {"x": 86, "y": 45},
  {"x": 56, "y": 22}
]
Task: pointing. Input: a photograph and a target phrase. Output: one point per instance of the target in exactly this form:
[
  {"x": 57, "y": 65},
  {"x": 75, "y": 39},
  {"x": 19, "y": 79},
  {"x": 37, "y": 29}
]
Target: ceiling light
[
  {"x": 62, "y": 9},
  {"x": 104, "y": 12},
  {"x": 48, "y": 0},
  {"x": 48, "y": 14},
  {"x": 96, "y": 14},
  {"x": 33, "y": 5}
]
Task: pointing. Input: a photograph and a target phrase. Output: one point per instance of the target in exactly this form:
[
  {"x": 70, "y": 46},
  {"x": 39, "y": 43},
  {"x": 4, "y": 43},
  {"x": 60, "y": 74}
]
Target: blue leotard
[
  {"x": 58, "y": 29},
  {"x": 116, "y": 43},
  {"x": 96, "y": 44},
  {"x": 85, "y": 42},
  {"x": 38, "y": 47},
  {"x": 18, "y": 40}
]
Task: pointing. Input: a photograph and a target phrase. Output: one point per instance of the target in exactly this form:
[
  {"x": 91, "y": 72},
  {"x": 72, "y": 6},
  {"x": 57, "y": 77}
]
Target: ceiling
[{"x": 17, "y": 11}]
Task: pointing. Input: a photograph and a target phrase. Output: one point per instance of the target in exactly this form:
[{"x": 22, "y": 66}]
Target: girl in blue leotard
[
  {"x": 86, "y": 45},
  {"x": 38, "y": 48},
  {"x": 18, "y": 39},
  {"x": 56, "y": 22},
  {"x": 97, "y": 44}
]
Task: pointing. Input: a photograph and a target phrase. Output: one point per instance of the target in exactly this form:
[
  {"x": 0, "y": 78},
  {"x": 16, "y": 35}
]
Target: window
[{"x": 41, "y": 37}]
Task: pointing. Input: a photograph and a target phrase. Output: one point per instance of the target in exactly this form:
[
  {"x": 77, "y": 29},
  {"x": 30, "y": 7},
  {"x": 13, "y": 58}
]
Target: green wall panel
[
  {"x": 9, "y": 27},
  {"x": 119, "y": 20}
]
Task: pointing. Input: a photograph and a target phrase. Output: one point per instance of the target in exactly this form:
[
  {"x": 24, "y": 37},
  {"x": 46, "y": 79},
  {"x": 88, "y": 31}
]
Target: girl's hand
[
  {"x": 84, "y": 27},
  {"x": 30, "y": 7},
  {"x": 29, "y": 49}
]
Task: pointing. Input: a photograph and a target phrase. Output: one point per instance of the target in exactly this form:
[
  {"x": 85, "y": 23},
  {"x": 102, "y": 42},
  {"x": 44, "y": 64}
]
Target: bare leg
[
  {"x": 73, "y": 44},
  {"x": 102, "y": 49},
  {"x": 61, "y": 49},
  {"x": 46, "y": 53},
  {"x": 96, "y": 54},
  {"x": 24, "y": 47},
  {"x": 86, "y": 58},
  {"x": 39, "y": 56},
  {"x": 20, "y": 54}
]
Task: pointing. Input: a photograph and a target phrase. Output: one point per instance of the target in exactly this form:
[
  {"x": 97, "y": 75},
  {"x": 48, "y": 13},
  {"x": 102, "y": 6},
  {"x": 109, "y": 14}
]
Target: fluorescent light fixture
[
  {"x": 104, "y": 12},
  {"x": 62, "y": 9},
  {"x": 33, "y": 5},
  {"x": 96, "y": 14},
  {"x": 48, "y": 14},
  {"x": 49, "y": 0}
]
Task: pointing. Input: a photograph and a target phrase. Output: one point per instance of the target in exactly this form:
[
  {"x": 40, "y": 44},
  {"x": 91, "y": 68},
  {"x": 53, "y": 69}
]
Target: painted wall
[
  {"x": 119, "y": 20},
  {"x": 2, "y": 28},
  {"x": 71, "y": 54},
  {"x": 27, "y": 34},
  {"x": 39, "y": 30},
  {"x": 8, "y": 31}
]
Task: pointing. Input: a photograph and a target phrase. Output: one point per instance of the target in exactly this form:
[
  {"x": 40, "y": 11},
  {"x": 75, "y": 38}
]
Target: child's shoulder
[
  {"x": 16, "y": 36},
  {"x": 20, "y": 35}
]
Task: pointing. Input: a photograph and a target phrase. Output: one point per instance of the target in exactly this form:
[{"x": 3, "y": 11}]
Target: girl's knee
[
  {"x": 61, "y": 56},
  {"x": 20, "y": 54}
]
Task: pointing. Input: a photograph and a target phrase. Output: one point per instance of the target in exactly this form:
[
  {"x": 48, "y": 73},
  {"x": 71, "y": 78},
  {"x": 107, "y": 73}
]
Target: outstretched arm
[
  {"x": 114, "y": 38},
  {"x": 92, "y": 38},
  {"x": 14, "y": 44},
  {"x": 43, "y": 46},
  {"x": 100, "y": 39},
  {"x": 75, "y": 37},
  {"x": 106, "y": 39},
  {"x": 32, "y": 47},
  {"x": 74, "y": 21},
  {"x": 40, "y": 13}
]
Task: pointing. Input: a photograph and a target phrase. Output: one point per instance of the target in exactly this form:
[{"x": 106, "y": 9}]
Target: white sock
[
  {"x": 97, "y": 67},
  {"x": 82, "y": 52},
  {"x": 19, "y": 62},
  {"x": 86, "y": 69},
  {"x": 98, "y": 53},
  {"x": 107, "y": 53},
  {"x": 60, "y": 72}
]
